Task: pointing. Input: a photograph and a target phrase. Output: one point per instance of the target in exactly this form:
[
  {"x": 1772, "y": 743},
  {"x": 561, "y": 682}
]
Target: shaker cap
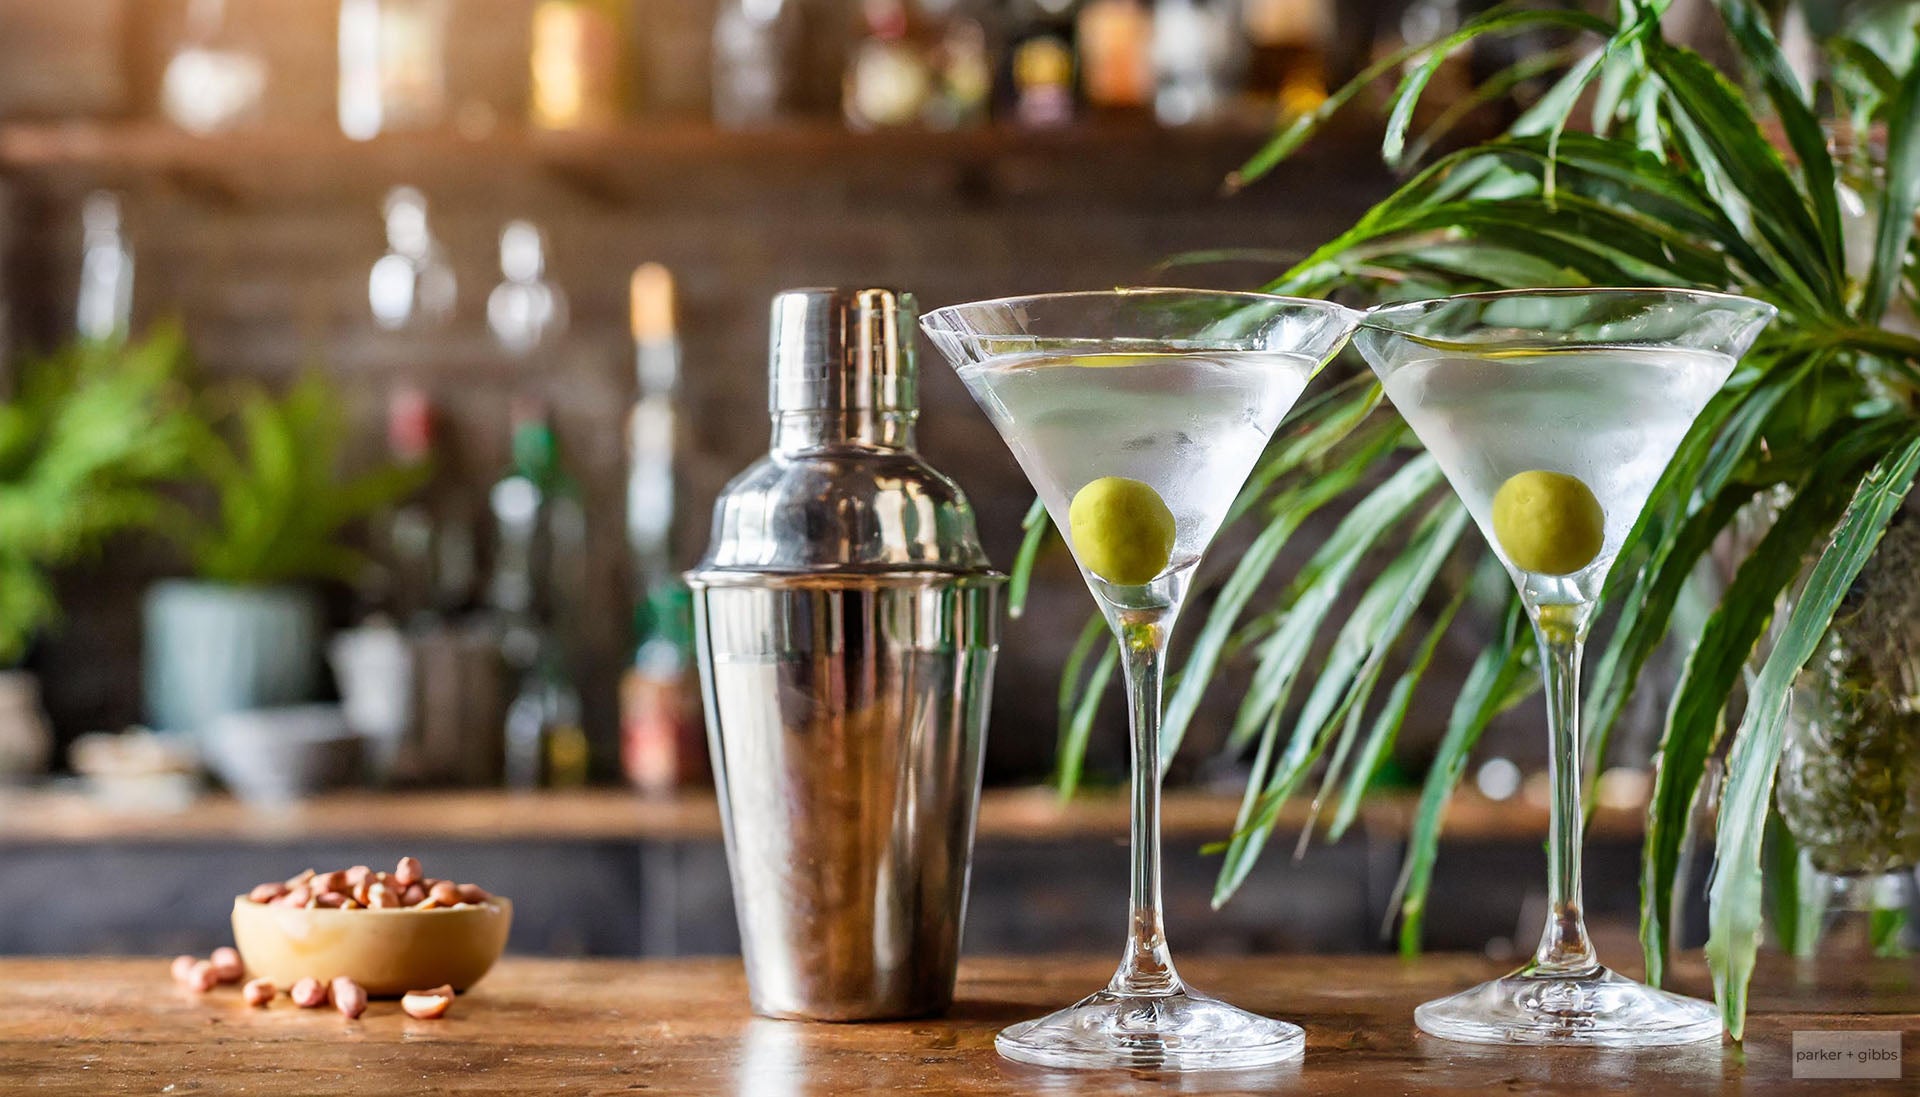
[
  {"x": 832, "y": 509},
  {"x": 843, "y": 350}
]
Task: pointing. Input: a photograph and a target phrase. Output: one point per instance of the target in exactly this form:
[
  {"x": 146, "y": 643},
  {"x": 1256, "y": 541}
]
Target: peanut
[
  {"x": 201, "y": 977},
  {"x": 445, "y": 892},
  {"x": 226, "y": 965},
  {"x": 357, "y": 875},
  {"x": 183, "y": 968},
  {"x": 382, "y": 897},
  {"x": 332, "y": 899},
  {"x": 407, "y": 871},
  {"x": 349, "y": 997},
  {"x": 259, "y": 992},
  {"x": 297, "y": 896},
  {"x": 309, "y": 993},
  {"x": 473, "y": 893},
  {"x": 298, "y": 880},
  {"x": 267, "y": 893},
  {"x": 331, "y": 881},
  {"x": 427, "y": 1005},
  {"x": 413, "y": 896}
]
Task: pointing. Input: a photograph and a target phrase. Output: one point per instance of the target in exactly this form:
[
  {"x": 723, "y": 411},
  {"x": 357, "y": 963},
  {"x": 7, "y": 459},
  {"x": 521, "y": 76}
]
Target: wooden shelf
[
  {"x": 629, "y": 163},
  {"x": 1029, "y": 814}
]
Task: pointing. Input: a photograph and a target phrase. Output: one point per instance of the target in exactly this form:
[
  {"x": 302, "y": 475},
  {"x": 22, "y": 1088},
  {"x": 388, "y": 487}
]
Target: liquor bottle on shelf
[
  {"x": 1193, "y": 56},
  {"x": 428, "y": 558},
  {"x": 539, "y": 532},
  {"x": 1115, "y": 38},
  {"x": 962, "y": 64},
  {"x": 393, "y": 73},
  {"x": 662, "y": 743},
  {"x": 662, "y": 736},
  {"x": 103, "y": 308},
  {"x": 577, "y": 63},
  {"x": 887, "y": 81},
  {"x": 412, "y": 286},
  {"x": 1287, "y": 44},
  {"x": 545, "y": 745},
  {"x": 918, "y": 63},
  {"x": 757, "y": 53},
  {"x": 651, "y": 425},
  {"x": 525, "y": 310},
  {"x": 1039, "y": 78}
]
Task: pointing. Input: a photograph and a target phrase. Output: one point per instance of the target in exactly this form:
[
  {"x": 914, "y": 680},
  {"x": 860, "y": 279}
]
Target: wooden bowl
[{"x": 389, "y": 952}]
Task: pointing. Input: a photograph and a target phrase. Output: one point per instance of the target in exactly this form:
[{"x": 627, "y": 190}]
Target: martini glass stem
[
  {"x": 1147, "y": 967},
  {"x": 1564, "y": 946}
]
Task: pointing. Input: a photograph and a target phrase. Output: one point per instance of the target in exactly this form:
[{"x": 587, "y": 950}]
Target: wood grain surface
[{"x": 112, "y": 1026}]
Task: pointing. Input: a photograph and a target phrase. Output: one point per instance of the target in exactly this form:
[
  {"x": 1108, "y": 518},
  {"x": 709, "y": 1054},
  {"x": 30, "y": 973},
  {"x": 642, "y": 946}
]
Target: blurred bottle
[
  {"x": 1193, "y": 53},
  {"x": 412, "y": 285},
  {"x": 545, "y": 745},
  {"x": 103, "y": 308},
  {"x": 757, "y": 51},
  {"x": 539, "y": 532},
  {"x": 1116, "y": 54},
  {"x": 1424, "y": 22},
  {"x": 1040, "y": 74},
  {"x": 392, "y": 66},
  {"x": 917, "y": 63},
  {"x": 525, "y": 310},
  {"x": 662, "y": 733},
  {"x": 888, "y": 80},
  {"x": 213, "y": 82},
  {"x": 1287, "y": 44},
  {"x": 577, "y": 63},
  {"x": 428, "y": 562},
  {"x": 662, "y": 742},
  {"x": 651, "y": 426}
]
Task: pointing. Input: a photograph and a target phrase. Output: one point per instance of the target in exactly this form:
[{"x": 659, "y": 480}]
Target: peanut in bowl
[{"x": 387, "y": 949}]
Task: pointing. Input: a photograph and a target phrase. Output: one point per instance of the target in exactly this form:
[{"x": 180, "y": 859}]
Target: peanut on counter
[{"x": 427, "y": 1005}]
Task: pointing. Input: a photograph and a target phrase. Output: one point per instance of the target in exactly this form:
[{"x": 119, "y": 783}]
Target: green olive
[
  {"x": 1121, "y": 530},
  {"x": 1548, "y": 522}
]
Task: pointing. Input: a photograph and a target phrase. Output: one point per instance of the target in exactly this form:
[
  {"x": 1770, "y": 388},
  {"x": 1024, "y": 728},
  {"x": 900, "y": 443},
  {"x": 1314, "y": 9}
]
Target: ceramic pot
[
  {"x": 214, "y": 648},
  {"x": 26, "y": 743}
]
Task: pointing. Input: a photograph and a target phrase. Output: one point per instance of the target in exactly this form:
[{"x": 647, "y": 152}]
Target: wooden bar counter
[{"x": 92, "y": 1026}]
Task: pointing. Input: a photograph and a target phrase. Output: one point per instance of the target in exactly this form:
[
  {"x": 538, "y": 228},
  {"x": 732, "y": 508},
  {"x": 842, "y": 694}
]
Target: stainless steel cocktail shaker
[{"x": 847, "y": 624}]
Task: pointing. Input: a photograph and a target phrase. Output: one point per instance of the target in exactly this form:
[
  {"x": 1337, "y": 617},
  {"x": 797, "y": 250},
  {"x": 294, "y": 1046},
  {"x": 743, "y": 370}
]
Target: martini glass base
[
  {"x": 1170, "y": 1032},
  {"x": 1592, "y": 1008}
]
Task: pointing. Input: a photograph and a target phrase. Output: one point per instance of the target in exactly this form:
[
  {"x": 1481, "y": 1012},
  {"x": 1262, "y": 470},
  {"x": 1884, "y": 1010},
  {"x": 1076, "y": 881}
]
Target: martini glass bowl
[
  {"x": 1142, "y": 412},
  {"x": 1553, "y": 413}
]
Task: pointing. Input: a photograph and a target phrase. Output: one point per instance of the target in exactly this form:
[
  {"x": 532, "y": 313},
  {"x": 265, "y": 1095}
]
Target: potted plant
[
  {"x": 1669, "y": 175},
  {"x": 85, "y": 438},
  {"x": 245, "y": 631}
]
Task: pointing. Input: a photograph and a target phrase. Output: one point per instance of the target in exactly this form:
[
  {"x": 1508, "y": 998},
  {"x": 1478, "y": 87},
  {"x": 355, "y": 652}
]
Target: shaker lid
[
  {"x": 843, "y": 350},
  {"x": 829, "y": 509}
]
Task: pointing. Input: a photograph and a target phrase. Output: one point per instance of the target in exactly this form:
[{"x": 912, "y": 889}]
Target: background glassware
[
  {"x": 1212, "y": 374},
  {"x": 103, "y": 308},
  {"x": 1193, "y": 48},
  {"x": 212, "y": 83},
  {"x": 757, "y": 53},
  {"x": 1564, "y": 996}
]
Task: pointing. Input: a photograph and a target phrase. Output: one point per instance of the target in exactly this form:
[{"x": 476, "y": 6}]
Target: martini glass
[
  {"x": 1553, "y": 412},
  {"x": 1146, "y": 409}
]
